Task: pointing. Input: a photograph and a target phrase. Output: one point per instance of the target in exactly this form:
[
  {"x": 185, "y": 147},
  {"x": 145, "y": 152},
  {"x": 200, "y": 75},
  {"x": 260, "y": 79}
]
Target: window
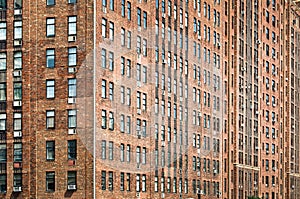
[
  {"x": 144, "y": 153},
  {"x": 18, "y": 60},
  {"x": 111, "y": 91},
  {"x": 17, "y": 30},
  {"x": 103, "y": 58},
  {"x": 128, "y": 151},
  {"x": 50, "y": 58},
  {"x": 111, "y": 30},
  {"x": 50, "y": 119},
  {"x": 50, "y": 181},
  {"x": 2, "y": 61},
  {"x": 111, "y": 5},
  {"x": 50, "y": 90},
  {"x": 111, "y": 121},
  {"x": 103, "y": 88},
  {"x": 72, "y": 148},
  {"x": 72, "y": 118},
  {"x": 17, "y": 180},
  {"x": 72, "y": 56},
  {"x": 129, "y": 39},
  {"x": 17, "y": 121},
  {"x": 122, "y": 181},
  {"x": 2, "y": 122},
  {"x": 111, "y": 60},
  {"x": 128, "y": 10},
  {"x": 103, "y": 150},
  {"x": 145, "y": 19},
  {"x": 71, "y": 178},
  {"x": 72, "y": 20},
  {"x": 122, "y": 152},
  {"x": 72, "y": 91},
  {"x": 122, "y": 37},
  {"x": 2, "y": 30},
  {"x": 50, "y": 2},
  {"x": 110, "y": 181},
  {"x": 138, "y": 16},
  {"x": 3, "y": 183},
  {"x": 144, "y": 183},
  {"x": 144, "y": 47},
  {"x": 3, "y": 153},
  {"x": 50, "y": 150},
  {"x": 138, "y": 181},
  {"x": 110, "y": 150},
  {"x": 104, "y": 24},
  {"x": 17, "y": 152},
  {"x": 104, "y": 119},
  {"x": 72, "y": 1},
  {"x": 50, "y": 29}
]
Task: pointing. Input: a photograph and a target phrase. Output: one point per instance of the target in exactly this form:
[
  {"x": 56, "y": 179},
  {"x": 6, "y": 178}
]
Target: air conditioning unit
[
  {"x": 215, "y": 171},
  {"x": 17, "y": 73},
  {"x": 18, "y": 12},
  {"x": 267, "y": 185},
  {"x": 72, "y": 131},
  {"x": 104, "y": 9},
  {"x": 138, "y": 165},
  {"x": 72, "y": 69},
  {"x": 199, "y": 37},
  {"x": 139, "y": 28},
  {"x": 199, "y": 114},
  {"x": 254, "y": 182},
  {"x": 17, "y": 103},
  {"x": 180, "y": 171},
  {"x": 17, "y": 189},
  {"x": 198, "y": 150},
  {"x": 163, "y": 143},
  {"x": 164, "y": 61},
  {"x": 163, "y": 15},
  {"x": 274, "y": 168},
  {"x": 71, "y": 100},
  {"x": 17, "y": 42},
  {"x": 258, "y": 41},
  {"x": 293, "y": 126},
  {"x": 181, "y": 26},
  {"x": 72, "y": 187},
  {"x": 17, "y": 134},
  {"x": 71, "y": 162},
  {"x": 139, "y": 135},
  {"x": 71, "y": 38},
  {"x": 256, "y": 148},
  {"x": 256, "y": 112},
  {"x": 162, "y": 195},
  {"x": 293, "y": 186},
  {"x": 137, "y": 194},
  {"x": 198, "y": 173},
  {"x": 138, "y": 83},
  {"x": 139, "y": 111}
]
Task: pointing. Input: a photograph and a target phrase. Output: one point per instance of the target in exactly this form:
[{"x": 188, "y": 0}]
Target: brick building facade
[{"x": 149, "y": 99}]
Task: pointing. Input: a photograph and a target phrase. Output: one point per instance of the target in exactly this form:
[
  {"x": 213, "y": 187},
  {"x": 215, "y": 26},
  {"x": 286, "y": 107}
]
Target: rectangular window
[
  {"x": 17, "y": 152},
  {"x": 17, "y": 30},
  {"x": 103, "y": 150},
  {"x": 129, "y": 39},
  {"x": 103, "y": 58},
  {"x": 50, "y": 119},
  {"x": 110, "y": 150},
  {"x": 2, "y": 61},
  {"x": 110, "y": 181},
  {"x": 111, "y": 60},
  {"x": 72, "y": 149},
  {"x": 138, "y": 16},
  {"x": 72, "y": 56},
  {"x": 104, "y": 119},
  {"x": 111, "y": 30},
  {"x": 3, "y": 153},
  {"x": 145, "y": 19},
  {"x": 122, "y": 181},
  {"x": 72, "y": 178},
  {"x": 18, "y": 60},
  {"x": 128, "y": 10},
  {"x": 17, "y": 180},
  {"x": 17, "y": 121},
  {"x": 50, "y": 181},
  {"x": 72, "y": 91},
  {"x": 50, "y": 150},
  {"x": 128, "y": 151},
  {"x": 50, "y": 2},
  {"x": 72, "y": 118},
  {"x": 72, "y": 27},
  {"x": 111, "y": 121},
  {"x": 104, "y": 24},
  {"x": 2, "y": 30},
  {"x": 50, "y": 89},
  {"x": 3, "y": 183},
  {"x": 50, "y": 58},
  {"x": 2, "y": 122},
  {"x": 111, "y": 4},
  {"x": 50, "y": 27},
  {"x": 111, "y": 91}
]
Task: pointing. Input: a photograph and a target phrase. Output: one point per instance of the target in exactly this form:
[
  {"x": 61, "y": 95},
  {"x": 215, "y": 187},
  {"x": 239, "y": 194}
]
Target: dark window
[
  {"x": 50, "y": 150},
  {"x": 72, "y": 149},
  {"x": 50, "y": 181}
]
